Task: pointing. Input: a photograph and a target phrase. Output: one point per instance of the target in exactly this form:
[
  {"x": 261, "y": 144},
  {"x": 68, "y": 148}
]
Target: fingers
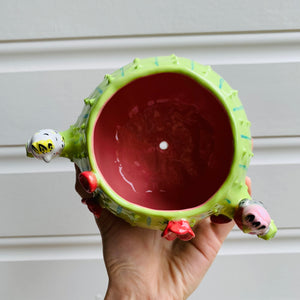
[
  {"x": 248, "y": 179},
  {"x": 249, "y": 185},
  {"x": 209, "y": 237},
  {"x": 79, "y": 188},
  {"x": 87, "y": 198},
  {"x": 93, "y": 206},
  {"x": 222, "y": 230}
]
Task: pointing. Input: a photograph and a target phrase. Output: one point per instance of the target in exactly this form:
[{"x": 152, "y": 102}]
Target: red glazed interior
[{"x": 164, "y": 142}]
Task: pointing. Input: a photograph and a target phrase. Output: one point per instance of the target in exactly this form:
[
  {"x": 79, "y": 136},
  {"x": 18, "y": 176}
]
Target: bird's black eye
[{"x": 45, "y": 133}]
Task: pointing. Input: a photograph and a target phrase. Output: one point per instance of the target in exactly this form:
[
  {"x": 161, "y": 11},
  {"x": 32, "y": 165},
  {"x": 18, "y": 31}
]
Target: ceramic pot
[{"x": 162, "y": 143}]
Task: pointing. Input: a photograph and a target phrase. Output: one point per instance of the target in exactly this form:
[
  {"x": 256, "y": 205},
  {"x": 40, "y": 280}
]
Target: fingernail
[{"x": 93, "y": 207}]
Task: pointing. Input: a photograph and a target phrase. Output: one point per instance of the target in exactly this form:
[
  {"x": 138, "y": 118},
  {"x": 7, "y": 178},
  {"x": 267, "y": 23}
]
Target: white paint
[
  {"x": 125, "y": 179},
  {"x": 54, "y": 248},
  {"x": 31, "y": 19},
  {"x": 223, "y": 49},
  {"x": 88, "y": 247},
  {"x": 267, "y": 151},
  {"x": 276, "y": 151},
  {"x": 56, "y": 98}
]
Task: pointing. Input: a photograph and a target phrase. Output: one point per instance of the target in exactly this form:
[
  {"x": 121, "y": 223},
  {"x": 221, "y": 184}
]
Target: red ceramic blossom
[{"x": 178, "y": 229}]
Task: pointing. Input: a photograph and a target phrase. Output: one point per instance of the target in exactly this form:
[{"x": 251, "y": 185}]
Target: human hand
[{"x": 143, "y": 265}]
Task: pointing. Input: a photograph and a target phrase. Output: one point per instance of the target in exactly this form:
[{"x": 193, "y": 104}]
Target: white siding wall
[{"x": 53, "y": 54}]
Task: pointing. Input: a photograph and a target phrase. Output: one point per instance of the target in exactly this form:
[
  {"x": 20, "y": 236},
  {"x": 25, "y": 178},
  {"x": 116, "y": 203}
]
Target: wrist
[
  {"x": 128, "y": 289},
  {"x": 128, "y": 292},
  {"x": 131, "y": 292}
]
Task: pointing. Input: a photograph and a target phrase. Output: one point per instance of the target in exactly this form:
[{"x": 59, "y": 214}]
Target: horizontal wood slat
[
  {"x": 267, "y": 151},
  {"x": 54, "y": 99},
  {"x": 42, "y": 204},
  {"x": 112, "y": 53},
  {"x": 33, "y": 19},
  {"x": 49, "y": 280},
  {"x": 269, "y": 276},
  {"x": 49, "y": 201},
  {"x": 87, "y": 247}
]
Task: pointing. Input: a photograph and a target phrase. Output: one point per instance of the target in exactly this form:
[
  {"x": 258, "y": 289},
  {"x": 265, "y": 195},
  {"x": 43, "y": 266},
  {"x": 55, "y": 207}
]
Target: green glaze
[{"x": 79, "y": 146}]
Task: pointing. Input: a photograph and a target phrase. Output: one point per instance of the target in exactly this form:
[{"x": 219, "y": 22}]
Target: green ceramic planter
[{"x": 161, "y": 141}]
